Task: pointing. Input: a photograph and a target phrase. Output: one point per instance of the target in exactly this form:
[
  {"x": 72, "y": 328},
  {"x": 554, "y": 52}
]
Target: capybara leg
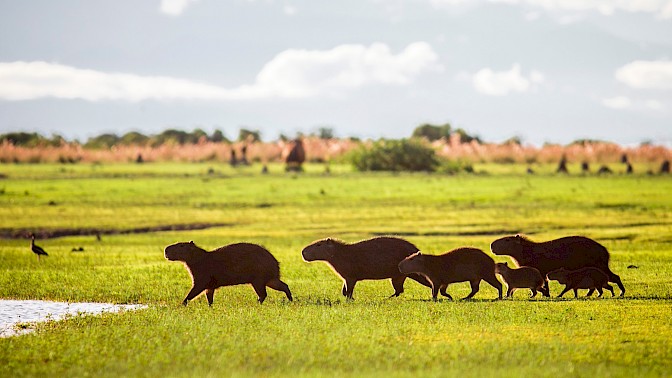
[
  {"x": 599, "y": 290},
  {"x": 546, "y": 291},
  {"x": 193, "y": 293},
  {"x": 278, "y": 285},
  {"x": 210, "y": 294},
  {"x": 566, "y": 289},
  {"x": 349, "y": 288},
  {"x": 534, "y": 292},
  {"x": 509, "y": 292},
  {"x": 492, "y": 280},
  {"x": 420, "y": 279},
  {"x": 435, "y": 292},
  {"x": 344, "y": 290},
  {"x": 590, "y": 292},
  {"x": 474, "y": 289},
  {"x": 610, "y": 288},
  {"x": 260, "y": 289},
  {"x": 576, "y": 293},
  {"x": 442, "y": 289},
  {"x": 398, "y": 284}
]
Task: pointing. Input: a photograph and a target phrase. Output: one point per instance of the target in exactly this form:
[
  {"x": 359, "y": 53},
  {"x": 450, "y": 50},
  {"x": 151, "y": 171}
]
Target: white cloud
[
  {"x": 299, "y": 73},
  {"x": 290, "y": 74},
  {"x": 32, "y": 80},
  {"x": 619, "y": 102},
  {"x": 643, "y": 74},
  {"x": 491, "y": 83},
  {"x": 662, "y": 8},
  {"x": 654, "y": 105},
  {"x": 175, "y": 7},
  {"x": 626, "y": 103},
  {"x": 289, "y": 10}
]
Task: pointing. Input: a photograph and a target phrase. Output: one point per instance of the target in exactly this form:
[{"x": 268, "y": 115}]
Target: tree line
[{"x": 179, "y": 137}]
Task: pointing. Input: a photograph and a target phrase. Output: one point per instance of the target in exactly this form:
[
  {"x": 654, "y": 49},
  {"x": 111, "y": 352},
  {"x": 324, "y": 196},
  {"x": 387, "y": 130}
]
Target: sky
[{"x": 546, "y": 71}]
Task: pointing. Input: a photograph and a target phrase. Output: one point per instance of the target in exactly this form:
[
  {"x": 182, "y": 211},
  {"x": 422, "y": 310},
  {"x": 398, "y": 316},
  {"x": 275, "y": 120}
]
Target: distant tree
[
  {"x": 57, "y": 140},
  {"x": 171, "y": 136},
  {"x": 22, "y": 139},
  {"x": 516, "y": 140},
  {"x": 249, "y": 135},
  {"x": 466, "y": 138},
  {"x": 585, "y": 142},
  {"x": 432, "y": 132},
  {"x": 102, "y": 141},
  {"x": 197, "y": 136},
  {"x": 218, "y": 137},
  {"x": 325, "y": 133},
  {"x": 134, "y": 138}
]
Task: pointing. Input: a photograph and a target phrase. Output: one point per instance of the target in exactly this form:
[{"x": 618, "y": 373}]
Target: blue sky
[{"x": 542, "y": 70}]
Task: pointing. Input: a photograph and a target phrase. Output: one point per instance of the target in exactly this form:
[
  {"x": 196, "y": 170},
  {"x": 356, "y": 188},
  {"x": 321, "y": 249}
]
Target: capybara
[
  {"x": 234, "y": 264},
  {"x": 571, "y": 253},
  {"x": 372, "y": 259},
  {"x": 584, "y": 278},
  {"x": 458, "y": 265},
  {"x": 525, "y": 277}
]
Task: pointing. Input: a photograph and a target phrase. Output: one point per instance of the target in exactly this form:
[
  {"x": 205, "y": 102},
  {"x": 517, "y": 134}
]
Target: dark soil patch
[{"x": 6, "y": 233}]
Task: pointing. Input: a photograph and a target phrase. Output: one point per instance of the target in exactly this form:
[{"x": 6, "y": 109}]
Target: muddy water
[{"x": 15, "y": 312}]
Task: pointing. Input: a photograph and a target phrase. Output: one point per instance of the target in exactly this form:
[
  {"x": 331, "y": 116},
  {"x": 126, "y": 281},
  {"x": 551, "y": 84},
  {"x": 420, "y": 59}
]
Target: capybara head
[
  {"x": 509, "y": 245},
  {"x": 501, "y": 267},
  {"x": 412, "y": 264},
  {"x": 183, "y": 251},
  {"x": 324, "y": 249},
  {"x": 557, "y": 275}
]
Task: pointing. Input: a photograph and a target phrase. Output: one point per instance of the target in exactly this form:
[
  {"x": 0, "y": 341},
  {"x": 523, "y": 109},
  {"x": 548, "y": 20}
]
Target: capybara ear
[
  {"x": 191, "y": 242},
  {"x": 506, "y": 264}
]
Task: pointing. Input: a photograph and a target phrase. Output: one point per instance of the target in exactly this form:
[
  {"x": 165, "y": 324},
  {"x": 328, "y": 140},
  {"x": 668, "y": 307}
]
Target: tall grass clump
[{"x": 396, "y": 156}]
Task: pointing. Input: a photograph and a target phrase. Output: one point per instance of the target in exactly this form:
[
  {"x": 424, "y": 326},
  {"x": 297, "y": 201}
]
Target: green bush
[{"x": 395, "y": 156}]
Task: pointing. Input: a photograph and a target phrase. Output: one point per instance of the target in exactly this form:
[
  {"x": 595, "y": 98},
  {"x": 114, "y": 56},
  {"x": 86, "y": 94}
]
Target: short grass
[{"x": 320, "y": 334}]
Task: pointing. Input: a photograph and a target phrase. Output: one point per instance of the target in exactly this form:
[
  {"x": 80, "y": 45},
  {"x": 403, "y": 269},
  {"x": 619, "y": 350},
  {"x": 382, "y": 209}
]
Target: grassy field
[{"x": 320, "y": 334}]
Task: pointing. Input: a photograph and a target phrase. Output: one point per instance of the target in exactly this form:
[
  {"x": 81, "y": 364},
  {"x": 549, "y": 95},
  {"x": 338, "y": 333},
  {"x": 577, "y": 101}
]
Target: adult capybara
[
  {"x": 525, "y": 277},
  {"x": 571, "y": 253},
  {"x": 458, "y": 265},
  {"x": 234, "y": 264},
  {"x": 584, "y": 278},
  {"x": 372, "y": 259}
]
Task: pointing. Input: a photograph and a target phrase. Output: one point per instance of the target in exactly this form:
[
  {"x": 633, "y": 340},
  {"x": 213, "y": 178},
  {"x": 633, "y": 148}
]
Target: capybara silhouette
[
  {"x": 584, "y": 278},
  {"x": 233, "y": 264},
  {"x": 525, "y": 277},
  {"x": 372, "y": 259},
  {"x": 458, "y": 265},
  {"x": 571, "y": 253}
]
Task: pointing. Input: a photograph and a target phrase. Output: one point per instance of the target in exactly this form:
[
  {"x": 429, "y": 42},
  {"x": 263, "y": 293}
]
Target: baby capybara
[
  {"x": 525, "y": 277},
  {"x": 372, "y": 259},
  {"x": 584, "y": 278},
  {"x": 458, "y": 265},
  {"x": 571, "y": 253},
  {"x": 234, "y": 264}
]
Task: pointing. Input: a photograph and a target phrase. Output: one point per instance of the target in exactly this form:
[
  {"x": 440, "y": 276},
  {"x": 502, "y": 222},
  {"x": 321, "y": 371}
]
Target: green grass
[{"x": 320, "y": 334}]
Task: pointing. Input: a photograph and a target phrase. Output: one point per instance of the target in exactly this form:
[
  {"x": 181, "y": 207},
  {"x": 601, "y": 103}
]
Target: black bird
[{"x": 37, "y": 249}]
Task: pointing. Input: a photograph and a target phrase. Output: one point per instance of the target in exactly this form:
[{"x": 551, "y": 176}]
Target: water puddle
[{"x": 16, "y": 316}]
